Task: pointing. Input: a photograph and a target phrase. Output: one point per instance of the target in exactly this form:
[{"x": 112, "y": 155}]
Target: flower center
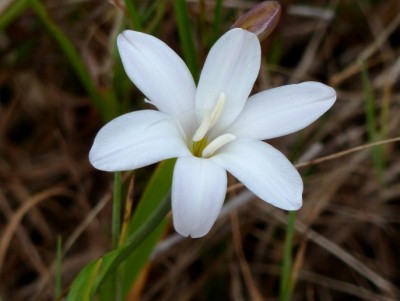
[{"x": 201, "y": 147}]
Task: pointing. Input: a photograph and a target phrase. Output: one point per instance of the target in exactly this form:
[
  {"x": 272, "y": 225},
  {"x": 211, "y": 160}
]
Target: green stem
[
  {"x": 115, "y": 284},
  {"x": 12, "y": 12},
  {"x": 58, "y": 276},
  {"x": 116, "y": 214},
  {"x": 286, "y": 285}
]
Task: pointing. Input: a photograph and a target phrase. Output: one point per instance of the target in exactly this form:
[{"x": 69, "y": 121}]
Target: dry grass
[{"x": 347, "y": 239}]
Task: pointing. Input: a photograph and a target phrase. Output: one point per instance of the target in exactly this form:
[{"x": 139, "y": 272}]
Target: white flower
[{"x": 211, "y": 129}]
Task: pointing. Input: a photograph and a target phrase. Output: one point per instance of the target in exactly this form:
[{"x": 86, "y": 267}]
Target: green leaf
[
  {"x": 156, "y": 189},
  {"x": 82, "y": 286},
  {"x": 147, "y": 226}
]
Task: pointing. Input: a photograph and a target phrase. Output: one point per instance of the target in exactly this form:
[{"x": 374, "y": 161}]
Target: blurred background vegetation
[{"x": 61, "y": 79}]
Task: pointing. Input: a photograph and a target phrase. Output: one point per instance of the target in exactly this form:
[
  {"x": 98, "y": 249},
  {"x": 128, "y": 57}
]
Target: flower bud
[{"x": 261, "y": 19}]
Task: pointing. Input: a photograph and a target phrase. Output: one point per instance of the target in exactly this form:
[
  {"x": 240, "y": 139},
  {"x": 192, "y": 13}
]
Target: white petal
[
  {"x": 135, "y": 140},
  {"x": 263, "y": 170},
  {"x": 231, "y": 67},
  {"x": 158, "y": 72},
  {"x": 198, "y": 192},
  {"x": 284, "y": 110}
]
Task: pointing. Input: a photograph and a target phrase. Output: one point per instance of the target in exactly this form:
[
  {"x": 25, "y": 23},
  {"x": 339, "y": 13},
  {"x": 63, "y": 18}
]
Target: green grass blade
[
  {"x": 217, "y": 21},
  {"x": 133, "y": 15},
  {"x": 159, "y": 12},
  {"x": 286, "y": 285},
  {"x": 369, "y": 103},
  {"x": 185, "y": 35},
  {"x": 372, "y": 127},
  {"x": 107, "y": 106},
  {"x": 13, "y": 12},
  {"x": 58, "y": 273}
]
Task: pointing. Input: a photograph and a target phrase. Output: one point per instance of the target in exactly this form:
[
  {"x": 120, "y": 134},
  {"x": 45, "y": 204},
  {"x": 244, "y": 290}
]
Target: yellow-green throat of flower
[{"x": 200, "y": 147}]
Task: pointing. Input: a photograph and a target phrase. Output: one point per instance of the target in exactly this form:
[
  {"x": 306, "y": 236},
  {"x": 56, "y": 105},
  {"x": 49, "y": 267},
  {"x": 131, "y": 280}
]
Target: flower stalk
[{"x": 286, "y": 284}]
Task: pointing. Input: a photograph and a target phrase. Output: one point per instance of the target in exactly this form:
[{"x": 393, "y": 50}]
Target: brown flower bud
[{"x": 261, "y": 19}]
